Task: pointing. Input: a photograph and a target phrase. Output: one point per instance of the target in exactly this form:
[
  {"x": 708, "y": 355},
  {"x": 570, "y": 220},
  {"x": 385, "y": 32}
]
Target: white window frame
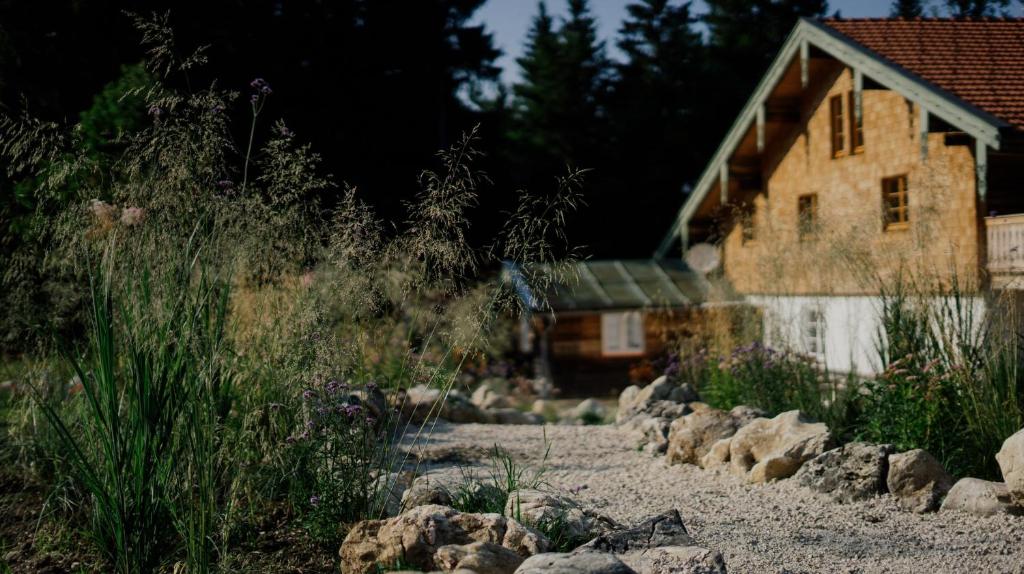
[
  {"x": 812, "y": 331},
  {"x": 623, "y": 333}
]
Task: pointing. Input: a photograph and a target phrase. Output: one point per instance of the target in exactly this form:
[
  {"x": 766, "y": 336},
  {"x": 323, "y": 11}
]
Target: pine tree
[
  {"x": 906, "y": 9},
  {"x": 977, "y": 8},
  {"x": 652, "y": 112},
  {"x": 557, "y": 102}
]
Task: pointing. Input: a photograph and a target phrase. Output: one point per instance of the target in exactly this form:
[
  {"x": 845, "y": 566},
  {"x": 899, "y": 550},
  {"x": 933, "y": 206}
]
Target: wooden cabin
[{"x": 609, "y": 317}]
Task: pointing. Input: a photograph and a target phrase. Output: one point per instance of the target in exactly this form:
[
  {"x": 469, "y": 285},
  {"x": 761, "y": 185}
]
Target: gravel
[{"x": 775, "y": 528}]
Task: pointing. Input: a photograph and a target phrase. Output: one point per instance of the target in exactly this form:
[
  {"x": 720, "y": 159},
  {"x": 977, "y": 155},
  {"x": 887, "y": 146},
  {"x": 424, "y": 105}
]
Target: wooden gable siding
[
  {"x": 851, "y": 247},
  {"x": 579, "y": 335}
]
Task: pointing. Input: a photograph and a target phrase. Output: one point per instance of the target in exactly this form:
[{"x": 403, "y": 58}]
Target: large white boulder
[
  {"x": 1011, "y": 462},
  {"x": 690, "y": 437},
  {"x": 980, "y": 497},
  {"x": 770, "y": 449}
]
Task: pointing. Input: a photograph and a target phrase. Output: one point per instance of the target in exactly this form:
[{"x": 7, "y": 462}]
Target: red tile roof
[{"x": 980, "y": 61}]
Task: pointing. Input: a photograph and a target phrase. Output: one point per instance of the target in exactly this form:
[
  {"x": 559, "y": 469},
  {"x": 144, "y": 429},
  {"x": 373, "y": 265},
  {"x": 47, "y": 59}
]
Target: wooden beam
[
  {"x": 922, "y": 121},
  {"x": 858, "y": 90},
  {"x": 760, "y": 128},
  {"x": 805, "y": 61},
  {"x": 723, "y": 182},
  {"x": 981, "y": 168}
]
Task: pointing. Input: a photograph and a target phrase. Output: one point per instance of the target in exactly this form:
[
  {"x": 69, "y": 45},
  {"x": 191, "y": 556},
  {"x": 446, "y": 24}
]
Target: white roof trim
[{"x": 979, "y": 124}]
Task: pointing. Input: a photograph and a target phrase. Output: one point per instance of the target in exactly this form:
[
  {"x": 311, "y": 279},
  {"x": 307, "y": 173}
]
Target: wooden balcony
[{"x": 1005, "y": 234}]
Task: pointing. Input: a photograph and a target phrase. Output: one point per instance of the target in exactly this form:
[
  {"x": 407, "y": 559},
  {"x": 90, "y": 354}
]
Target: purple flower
[
  {"x": 254, "y": 98},
  {"x": 155, "y": 111},
  {"x": 314, "y": 500},
  {"x": 289, "y": 440},
  {"x": 308, "y": 394},
  {"x": 258, "y": 83},
  {"x": 218, "y": 108},
  {"x": 371, "y": 386},
  {"x": 225, "y": 184},
  {"x": 334, "y": 386},
  {"x": 310, "y": 425},
  {"x": 352, "y": 410}
]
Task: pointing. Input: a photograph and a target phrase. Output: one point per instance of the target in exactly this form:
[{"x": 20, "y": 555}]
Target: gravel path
[{"x": 775, "y": 528}]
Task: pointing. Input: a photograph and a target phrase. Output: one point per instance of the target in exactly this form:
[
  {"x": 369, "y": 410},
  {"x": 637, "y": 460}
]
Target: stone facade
[{"x": 851, "y": 251}]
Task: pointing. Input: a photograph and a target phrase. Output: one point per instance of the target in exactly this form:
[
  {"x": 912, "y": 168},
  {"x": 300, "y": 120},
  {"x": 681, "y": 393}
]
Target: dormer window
[{"x": 838, "y": 126}]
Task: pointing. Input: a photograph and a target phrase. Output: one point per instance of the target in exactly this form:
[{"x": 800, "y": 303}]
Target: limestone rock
[
  {"x": 414, "y": 539},
  {"x": 653, "y": 400},
  {"x": 574, "y": 563},
  {"x": 536, "y": 508},
  {"x": 855, "y": 471},
  {"x": 718, "y": 455},
  {"x": 658, "y": 545},
  {"x": 486, "y": 397},
  {"x": 770, "y": 449},
  {"x": 690, "y": 437},
  {"x": 676, "y": 560},
  {"x": 626, "y": 399},
  {"x": 478, "y": 557},
  {"x": 543, "y": 407},
  {"x": 744, "y": 414},
  {"x": 917, "y": 480},
  {"x": 665, "y": 529},
  {"x": 684, "y": 393},
  {"x": 435, "y": 488},
  {"x": 589, "y": 411},
  {"x": 980, "y": 497},
  {"x": 458, "y": 409},
  {"x": 1011, "y": 462}
]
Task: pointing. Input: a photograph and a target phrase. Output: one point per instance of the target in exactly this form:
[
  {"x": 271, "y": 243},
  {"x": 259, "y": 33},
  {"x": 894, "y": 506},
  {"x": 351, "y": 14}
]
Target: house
[
  {"x": 870, "y": 151},
  {"x": 601, "y": 319}
]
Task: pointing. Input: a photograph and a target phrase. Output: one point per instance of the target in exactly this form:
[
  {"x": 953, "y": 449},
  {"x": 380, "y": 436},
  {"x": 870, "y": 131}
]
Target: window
[
  {"x": 856, "y": 127},
  {"x": 895, "y": 203},
  {"x": 813, "y": 331},
  {"x": 748, "y": 227},
  {"x": 807, "y": 216},
  {"x": 622, "y": 333},
  {"x": 838, "y": 136}
]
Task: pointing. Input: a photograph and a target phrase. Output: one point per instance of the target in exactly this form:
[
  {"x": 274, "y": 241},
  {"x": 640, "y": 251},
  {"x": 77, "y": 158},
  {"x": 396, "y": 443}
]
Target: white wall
[{"x": 851, "y": 327}]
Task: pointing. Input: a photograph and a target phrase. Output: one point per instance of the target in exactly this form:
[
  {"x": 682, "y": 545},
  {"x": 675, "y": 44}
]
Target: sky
[{"x": 509, "y": 21}]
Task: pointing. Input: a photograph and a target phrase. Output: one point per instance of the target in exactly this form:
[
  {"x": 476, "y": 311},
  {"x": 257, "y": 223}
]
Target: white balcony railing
[{"x": 1005, "y": 243}]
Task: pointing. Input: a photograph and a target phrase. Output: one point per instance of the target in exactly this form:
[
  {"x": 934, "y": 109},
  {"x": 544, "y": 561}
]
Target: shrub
[
  {"x": 775, "y": 381},
  {"x": 951, "y": 384}
]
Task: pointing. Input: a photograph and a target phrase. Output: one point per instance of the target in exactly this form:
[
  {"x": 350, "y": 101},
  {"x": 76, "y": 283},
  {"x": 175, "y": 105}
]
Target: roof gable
[{"x": 978, "y": 61}]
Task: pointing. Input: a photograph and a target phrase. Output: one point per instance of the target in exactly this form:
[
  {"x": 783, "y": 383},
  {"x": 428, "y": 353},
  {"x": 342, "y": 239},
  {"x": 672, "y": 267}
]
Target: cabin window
[
  {"x": 807, "y": 216},
  {"x": 748, "y": 226},
  {"x": 895, "y": 202},
  {"x": 838, "y": 135},
  {"x": 813, "y": 331},
  {"x": 622, "y": 333},
  {"x": 856, "y": 126}
]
